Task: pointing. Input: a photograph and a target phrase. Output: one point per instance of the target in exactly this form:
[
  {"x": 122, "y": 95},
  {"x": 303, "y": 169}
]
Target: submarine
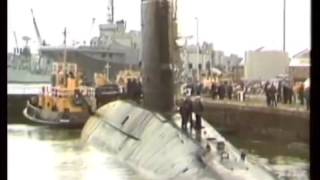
[{"x": 148, "y": 137}]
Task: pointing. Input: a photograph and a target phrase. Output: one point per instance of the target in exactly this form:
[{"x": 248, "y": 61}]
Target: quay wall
[{"x": 259, "y": 122}]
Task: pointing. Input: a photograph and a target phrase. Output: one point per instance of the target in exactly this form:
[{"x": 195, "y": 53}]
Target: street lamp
[
  {"x": 284, "y": 26},
  {"x": 197, "y": 36}
]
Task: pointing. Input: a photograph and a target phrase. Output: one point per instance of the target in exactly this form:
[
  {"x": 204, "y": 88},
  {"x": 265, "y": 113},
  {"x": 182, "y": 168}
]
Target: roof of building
[
  {"x": 242, "y": 62},
  {"x": 302, "y": 54},
  {"x": 259, "y": 49},
  {"x": 300, "y": 62}
]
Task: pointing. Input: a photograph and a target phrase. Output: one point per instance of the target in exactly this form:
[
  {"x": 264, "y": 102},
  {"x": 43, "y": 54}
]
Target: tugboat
[
  {"x": 65, "y": 102},
  {"x": 69, "y": 100}
]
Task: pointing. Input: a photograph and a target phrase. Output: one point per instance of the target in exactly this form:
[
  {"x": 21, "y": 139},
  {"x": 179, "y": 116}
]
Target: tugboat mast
[{"x": 65, "y": 55}]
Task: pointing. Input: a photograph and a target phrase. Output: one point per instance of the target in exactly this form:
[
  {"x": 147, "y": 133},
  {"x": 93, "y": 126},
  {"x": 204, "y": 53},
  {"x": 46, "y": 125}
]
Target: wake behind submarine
[{"x": 148, "y": 137}]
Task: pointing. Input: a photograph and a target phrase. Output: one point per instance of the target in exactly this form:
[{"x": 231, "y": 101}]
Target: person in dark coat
[
  {"x": 285, "y": 94},
  {"x": 266, "y": 91},
  {"x": 213, "y": 90},
  {"x": 129, "y": 88},
  {"x": 222, "y": 91},
  {"x": 135, "y": 91},
  {"x": 193, "y": 90},
  {"x": 280, "y": 92},
  {"x": 290, "y": 94},
  {"x": 184, "y": 116},
  {"x": 273, "y": 92},
  {"x": 186, "y": 113},
  {"x": 229, "y": 91},
  {"x": 307, "y": 96},
  {"x": 198, "y": 109},
  {"x": 301, "y": 94}
]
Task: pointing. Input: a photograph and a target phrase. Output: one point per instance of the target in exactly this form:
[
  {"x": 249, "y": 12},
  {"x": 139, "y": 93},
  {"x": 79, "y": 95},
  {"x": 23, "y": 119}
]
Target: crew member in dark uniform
[
  {"x": 183, "y": 114},
  {"x": 198, "y": 109},
  {"x": 221, "y": 91},
  {"x": 213, "y": 90},
  {"x": 273, "y": 92},
  {"x": 230, "y": 91},
  {"x": 129, "y": 89}
]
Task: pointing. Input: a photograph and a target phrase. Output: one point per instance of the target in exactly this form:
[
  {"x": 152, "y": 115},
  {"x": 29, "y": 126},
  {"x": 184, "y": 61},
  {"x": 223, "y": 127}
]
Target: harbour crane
[
  {"x": 92, "y": 25},
  {"x": 37, "y": 30},
  {"x": 16, "y": 49}
]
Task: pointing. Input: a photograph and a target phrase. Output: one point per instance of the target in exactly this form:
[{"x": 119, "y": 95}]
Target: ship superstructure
[{"x": 114, "y": 45}]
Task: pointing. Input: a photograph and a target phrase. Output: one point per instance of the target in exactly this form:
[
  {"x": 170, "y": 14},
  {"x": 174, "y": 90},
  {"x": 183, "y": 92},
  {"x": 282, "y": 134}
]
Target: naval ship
[{"x": 114, "y": 49}]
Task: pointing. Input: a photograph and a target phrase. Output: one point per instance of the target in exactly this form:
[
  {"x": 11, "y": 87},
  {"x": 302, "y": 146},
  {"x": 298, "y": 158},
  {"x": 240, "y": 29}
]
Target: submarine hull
[{"x": 156, "y": 146}]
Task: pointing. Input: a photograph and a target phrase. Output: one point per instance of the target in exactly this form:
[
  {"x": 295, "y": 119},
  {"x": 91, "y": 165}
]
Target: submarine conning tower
[{"x": 157, "y": 50}]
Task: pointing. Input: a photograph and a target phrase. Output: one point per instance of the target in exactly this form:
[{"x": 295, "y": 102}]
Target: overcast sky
[{"x": 233, "y": 26}]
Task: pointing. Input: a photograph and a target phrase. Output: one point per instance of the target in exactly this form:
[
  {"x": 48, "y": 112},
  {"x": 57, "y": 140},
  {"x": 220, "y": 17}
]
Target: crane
[
  {"x": 92, "y": 25},
  {"x": 36, "y": 28},
  {"x": 16, "y": 50}
]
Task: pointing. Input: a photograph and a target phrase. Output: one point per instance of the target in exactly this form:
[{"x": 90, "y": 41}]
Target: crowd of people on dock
[
  {"x": 275, "y": 92},
  {"x": 286, "y": 93},
  {"x": 220, "y": 91}
]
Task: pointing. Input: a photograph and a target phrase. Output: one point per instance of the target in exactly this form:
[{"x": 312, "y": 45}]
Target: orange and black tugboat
[
  {"x": 66, "y": 101},
  {"x": 69, "y": 101}
]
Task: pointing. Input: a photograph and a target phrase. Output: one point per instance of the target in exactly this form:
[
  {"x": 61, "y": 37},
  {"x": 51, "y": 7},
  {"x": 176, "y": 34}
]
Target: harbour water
[{"x": 38, "y": 152}]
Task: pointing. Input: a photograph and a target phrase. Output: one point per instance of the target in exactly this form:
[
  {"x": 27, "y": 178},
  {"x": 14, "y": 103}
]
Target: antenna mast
[
  {"x": 65, "y": 52},
  {"x": 284, "y": 26},
  {"x": 110, "y": 14}
]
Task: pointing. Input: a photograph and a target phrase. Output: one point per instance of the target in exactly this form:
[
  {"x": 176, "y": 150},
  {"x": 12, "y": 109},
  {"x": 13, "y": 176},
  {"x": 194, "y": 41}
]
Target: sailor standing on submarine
[
  {"x": 186, "y": 113},
  {"x": 198, "y": 109}
]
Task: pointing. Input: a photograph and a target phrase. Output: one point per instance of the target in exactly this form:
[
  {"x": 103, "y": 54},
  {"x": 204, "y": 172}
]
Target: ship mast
[
  {"x": 110, "y": 11},
  {"x": 65, "y": 54}
]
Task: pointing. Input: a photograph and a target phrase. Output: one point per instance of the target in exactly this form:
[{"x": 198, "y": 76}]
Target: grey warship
[{"x": 114, "y": 47}]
